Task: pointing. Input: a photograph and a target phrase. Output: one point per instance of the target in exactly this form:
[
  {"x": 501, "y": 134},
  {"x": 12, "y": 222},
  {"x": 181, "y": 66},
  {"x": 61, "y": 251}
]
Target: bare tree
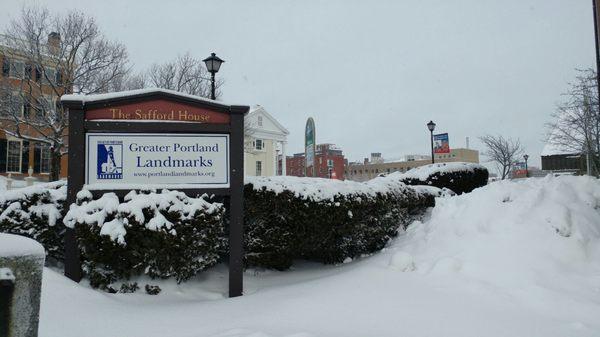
[
  {"x": 185, "y": 74},
  {"x": 504, "y": 152},
  {"x": 575, "y": 127},
  {"x": 56, "y": 54}
]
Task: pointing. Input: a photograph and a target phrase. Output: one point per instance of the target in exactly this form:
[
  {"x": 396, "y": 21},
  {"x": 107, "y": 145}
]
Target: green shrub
[
  {"x": 323, "y": 220},
  {"x": 35, "y": 212},
  {"x": 162, "y": 235},
  {"x": 458, "y": 177}
]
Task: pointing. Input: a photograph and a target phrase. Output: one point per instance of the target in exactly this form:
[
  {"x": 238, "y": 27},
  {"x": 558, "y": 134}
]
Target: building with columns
[{"x": 264, "y": 144}]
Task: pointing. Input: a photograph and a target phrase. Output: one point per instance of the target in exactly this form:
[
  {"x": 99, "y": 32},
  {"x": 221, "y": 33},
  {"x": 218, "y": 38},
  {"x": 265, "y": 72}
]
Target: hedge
[
  {"x": 458, "y": 177},
  {"x": 288, "y": 218},
  {"x": 167, "y": 234},
  {"x": 36, "y": 212},
  {"x": 162, "y": 235}
]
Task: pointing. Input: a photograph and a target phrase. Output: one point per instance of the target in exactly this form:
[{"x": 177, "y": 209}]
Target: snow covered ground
[{"x": 514, "y": 258}]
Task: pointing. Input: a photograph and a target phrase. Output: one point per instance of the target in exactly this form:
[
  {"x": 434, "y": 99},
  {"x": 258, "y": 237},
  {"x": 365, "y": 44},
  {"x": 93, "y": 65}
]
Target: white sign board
[{"x": 138, "y": 160}]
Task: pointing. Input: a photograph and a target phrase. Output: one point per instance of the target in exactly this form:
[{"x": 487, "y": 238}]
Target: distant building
[
  {"x": 329, "y": 163},
  {"x": 264, "y": 144},
  {"x": 369, "y": 169}
]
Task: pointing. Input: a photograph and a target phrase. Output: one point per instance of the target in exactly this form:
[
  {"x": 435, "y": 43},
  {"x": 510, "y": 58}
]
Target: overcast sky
[{"x": 371, "y": 73}]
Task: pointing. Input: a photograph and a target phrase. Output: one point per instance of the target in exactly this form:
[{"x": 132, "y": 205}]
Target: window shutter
[
  {"x": 25, "y": 157},
  {"x": 37, "y": 158},
  {"x": 3, "y": 145}
]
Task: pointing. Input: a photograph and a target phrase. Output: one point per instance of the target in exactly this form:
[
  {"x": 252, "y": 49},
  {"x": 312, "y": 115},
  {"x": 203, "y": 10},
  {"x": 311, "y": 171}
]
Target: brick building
[
  {"x": 29, "y": 88},
  {"x": 329, "y": 163}
]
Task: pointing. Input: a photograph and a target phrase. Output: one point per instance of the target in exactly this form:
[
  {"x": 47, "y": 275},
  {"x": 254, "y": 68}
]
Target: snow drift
[{"x": 514, "y": 233}]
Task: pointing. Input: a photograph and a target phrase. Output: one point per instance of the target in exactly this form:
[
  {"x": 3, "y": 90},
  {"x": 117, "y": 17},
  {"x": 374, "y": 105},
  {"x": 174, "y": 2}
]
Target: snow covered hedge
[
  {"x": 458, "y": 177},
  {"x": 324, "y": 220},
  {"x": 162, "y": 235},
  {"x": 35, "y": 212}
]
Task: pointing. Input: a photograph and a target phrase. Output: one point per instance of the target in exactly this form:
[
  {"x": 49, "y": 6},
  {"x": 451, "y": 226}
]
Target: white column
[{"x": 283, "y": 160}]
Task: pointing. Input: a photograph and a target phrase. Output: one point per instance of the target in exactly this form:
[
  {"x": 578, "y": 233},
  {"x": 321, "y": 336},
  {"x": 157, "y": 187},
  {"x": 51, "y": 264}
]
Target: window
[
  {"x": 17, "y": 104},
  {"x": 44, "y": 158},
  {"x": 17, "y": 69},
  {"x": 28, "y": 71},
  {"x": 5, "y": 66},
  {"x": 259, "y": 168},
  {"x": 50, "y": 75},
  {"x": 259, "y": 144},
  {"x": 13, "y": 156},
  {"x": 329, "y": 163},
  {"x": 260, "y": 121}
]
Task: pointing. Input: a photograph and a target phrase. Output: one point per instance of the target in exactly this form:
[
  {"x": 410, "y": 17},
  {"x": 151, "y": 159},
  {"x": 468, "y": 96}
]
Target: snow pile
[
  {"x": 16, "y": 245},
  {"x": 424, "y": 172},
  {"x": 490, "y": 263},
  {"x": 514, "y": 233},
  {"x": 97, "y": 212}
]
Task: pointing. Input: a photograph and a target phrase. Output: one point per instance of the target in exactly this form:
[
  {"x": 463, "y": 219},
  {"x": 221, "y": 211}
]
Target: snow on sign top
[
  {"x": 16, "y": 245},
  {"x": 153, "y": 104},
  {"x": 121, "y": 94}
]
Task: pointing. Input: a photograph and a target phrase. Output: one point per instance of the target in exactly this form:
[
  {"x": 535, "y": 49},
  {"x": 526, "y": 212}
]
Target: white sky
[{"x": 371, "y": 74}]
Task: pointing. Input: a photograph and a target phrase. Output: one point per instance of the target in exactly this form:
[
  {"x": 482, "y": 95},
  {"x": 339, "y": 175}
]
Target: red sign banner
[{"x": 158, "y": 110}]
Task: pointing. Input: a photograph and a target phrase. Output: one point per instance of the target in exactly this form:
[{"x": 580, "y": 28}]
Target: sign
[
  {"x": 156, "y": 138},
  {"x": 309, "y": 146},
  {"x": 161, "y": 159},
  {"x": 158, "y": 110},
  {"x": 440, "y": 143}
]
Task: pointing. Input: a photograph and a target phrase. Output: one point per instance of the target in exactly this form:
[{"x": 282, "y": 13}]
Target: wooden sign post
[{"x": 155, "y": 138}]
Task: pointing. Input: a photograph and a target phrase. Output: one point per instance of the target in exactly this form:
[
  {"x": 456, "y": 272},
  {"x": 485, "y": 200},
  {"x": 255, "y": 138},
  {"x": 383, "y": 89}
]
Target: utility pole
[{"x": 595, "y": 7}]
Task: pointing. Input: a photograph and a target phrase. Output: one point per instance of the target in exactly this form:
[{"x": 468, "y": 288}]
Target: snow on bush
[
  {"x": 514, "y": 233},
  {"x": 162, "y": 235},
  {"x": 34, "y": 212},
  {"x": 324, "y": 220},
  {"x": 456, "y": 176}
]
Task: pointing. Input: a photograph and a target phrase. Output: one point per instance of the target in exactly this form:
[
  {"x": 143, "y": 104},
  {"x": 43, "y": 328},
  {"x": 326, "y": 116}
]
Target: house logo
[{"x": 110, "y": 160}]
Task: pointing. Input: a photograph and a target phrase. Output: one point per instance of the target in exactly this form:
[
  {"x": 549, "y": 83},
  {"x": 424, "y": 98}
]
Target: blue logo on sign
[{"x": 110, "y": 160}]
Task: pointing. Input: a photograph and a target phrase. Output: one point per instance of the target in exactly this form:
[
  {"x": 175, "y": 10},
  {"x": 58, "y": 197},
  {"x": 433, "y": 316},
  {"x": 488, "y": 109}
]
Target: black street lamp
[
  {"x": 431, "y": 127},
  {"x": 213, "y": 63},
  {"x": 526, "y": 169}
]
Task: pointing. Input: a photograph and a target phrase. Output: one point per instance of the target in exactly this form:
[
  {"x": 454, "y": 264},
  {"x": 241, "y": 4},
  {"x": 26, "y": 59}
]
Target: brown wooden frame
[{"x": 78, "y": 127}]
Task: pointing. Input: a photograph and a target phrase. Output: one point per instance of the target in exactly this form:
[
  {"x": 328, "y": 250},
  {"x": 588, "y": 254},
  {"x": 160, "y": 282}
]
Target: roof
[{"x": 259, "y": 109}]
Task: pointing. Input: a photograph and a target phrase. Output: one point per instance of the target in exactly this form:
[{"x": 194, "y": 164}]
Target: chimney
[
  {"x": 366, "y": 161},
  {"x": 53, "y": 42}
]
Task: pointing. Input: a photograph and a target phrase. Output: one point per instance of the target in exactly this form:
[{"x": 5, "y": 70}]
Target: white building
[{"x": 264, "y": 141}]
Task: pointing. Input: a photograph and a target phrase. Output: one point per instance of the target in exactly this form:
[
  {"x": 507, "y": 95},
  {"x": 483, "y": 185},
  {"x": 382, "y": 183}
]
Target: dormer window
[{"x": 259, "y": 145}]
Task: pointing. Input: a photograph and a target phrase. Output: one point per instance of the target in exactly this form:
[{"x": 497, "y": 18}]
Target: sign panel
[
  {"x": 440, "y": 143},
  {"x": 157, "y": 110},
  {"x": 132, "y": 160},
  {"x": 309, "y": 146}
]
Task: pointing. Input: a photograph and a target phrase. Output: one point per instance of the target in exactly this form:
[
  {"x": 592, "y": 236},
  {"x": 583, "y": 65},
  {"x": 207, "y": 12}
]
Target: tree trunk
[{"x": 55, "y": 157}]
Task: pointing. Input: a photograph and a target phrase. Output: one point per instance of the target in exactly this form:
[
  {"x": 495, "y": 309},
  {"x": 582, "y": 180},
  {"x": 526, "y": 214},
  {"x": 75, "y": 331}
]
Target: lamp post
[
  {"x": 526, "y": 169},
  {"x": 213, "y": 63},
  {"x": 431, "y": 127}
]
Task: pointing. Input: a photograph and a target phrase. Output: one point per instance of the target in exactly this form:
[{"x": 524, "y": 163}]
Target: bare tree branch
[
  {"x": 62, "y": 54},
  {"x": 504, "y": 152}
]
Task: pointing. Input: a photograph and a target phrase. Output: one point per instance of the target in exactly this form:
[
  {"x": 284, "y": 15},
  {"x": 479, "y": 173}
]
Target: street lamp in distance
[
  {"x": 431, "y": 127},
  {"x": 213, "y": 64},
  {"x": 526, "y": 157}
]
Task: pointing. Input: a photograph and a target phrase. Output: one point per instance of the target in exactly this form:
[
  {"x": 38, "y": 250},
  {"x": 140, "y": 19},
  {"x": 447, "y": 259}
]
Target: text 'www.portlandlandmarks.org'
[{"x": 174, "y": 174}]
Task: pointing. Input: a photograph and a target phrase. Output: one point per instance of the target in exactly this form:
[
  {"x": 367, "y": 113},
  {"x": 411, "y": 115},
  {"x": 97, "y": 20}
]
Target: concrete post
[{"x": 21, "y": 267}]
